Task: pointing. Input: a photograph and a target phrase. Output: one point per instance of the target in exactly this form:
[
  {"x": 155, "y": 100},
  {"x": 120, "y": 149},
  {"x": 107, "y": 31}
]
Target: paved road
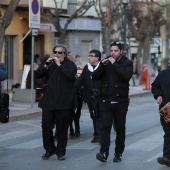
[{"x": 21, "y": 143}]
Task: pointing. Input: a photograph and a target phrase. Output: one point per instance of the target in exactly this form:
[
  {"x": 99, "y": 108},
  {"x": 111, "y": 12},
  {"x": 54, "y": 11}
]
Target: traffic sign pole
[{"x": 34, "y": 24}]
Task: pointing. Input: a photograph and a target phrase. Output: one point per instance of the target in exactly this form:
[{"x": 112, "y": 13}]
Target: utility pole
[{"x": 125, "y": 3}]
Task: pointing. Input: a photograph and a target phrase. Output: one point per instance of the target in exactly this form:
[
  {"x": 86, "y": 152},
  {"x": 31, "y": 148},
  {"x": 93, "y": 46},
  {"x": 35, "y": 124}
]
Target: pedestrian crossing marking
[
  {"x": 145, "y": 144},
  {"x": 154, "y": 157},
  {"x": 88, "y": 145},
  {"x": 84, "y": 145},
  {"x": 148, "y": 143},
  {"x": 28, "y": 145},
  {"x": 23, "y": 123},
  {"x": 16, "y": 134}
]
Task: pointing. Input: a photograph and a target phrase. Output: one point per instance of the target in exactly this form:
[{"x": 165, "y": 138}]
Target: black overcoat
[
  {"x": 114, "y": 85},
  {"x": 60, "y": 92},
  {"x": 85, "y": 80},
  {"x": 161, "y": 86}
]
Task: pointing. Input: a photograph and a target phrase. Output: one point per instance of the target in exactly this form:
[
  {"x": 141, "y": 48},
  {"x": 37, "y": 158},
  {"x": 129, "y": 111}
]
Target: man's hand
[
  {"x": 105, "y": 61},
  {"x": 159, "y": 100},
  {"x": 57, "y": 61},
  {"x": 112, "y": 60}
]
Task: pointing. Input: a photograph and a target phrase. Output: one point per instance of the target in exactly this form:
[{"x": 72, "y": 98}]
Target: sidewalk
[{"x": 21, "y": 110}]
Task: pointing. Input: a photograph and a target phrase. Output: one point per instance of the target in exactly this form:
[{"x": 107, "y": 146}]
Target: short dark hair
[
  {"x": 116, "y": 43},
  {"x": 97, "y": 53},
  {"x": 61, "y": 45}
]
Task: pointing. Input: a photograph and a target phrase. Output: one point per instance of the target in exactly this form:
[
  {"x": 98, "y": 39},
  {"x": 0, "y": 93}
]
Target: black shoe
[
  {"x": 164, "y": 161},
  {"x": 101, "y": 157},
  {"x": 47, "y": 155},
  {"x": 72, "y": 135},
  {"x": 117, "y": 158},
  {"x": 94, "y": 140},
  {"x": 98, "y": 140},
  {"x": 77, "y": 134},
  {"x": 61, "y": 157}
]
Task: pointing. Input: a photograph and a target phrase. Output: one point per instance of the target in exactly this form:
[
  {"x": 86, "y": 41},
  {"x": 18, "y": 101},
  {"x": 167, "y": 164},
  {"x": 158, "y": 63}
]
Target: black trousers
[
  {"x": 96, "y": 121},
  {"x": 75, "y": 117},
  {"x": 108, "y": 113},
  {"x": 166, "y": 129},
  {"x": 61, "y": 118}
]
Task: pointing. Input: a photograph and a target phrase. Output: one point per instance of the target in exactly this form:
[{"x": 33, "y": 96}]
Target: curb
[{"x": 140, "y": 94}]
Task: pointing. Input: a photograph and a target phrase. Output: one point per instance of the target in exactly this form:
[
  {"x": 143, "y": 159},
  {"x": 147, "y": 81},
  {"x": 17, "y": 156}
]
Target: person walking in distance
[
  {"x": 161, "y": 93},
  {"x": 114, "y": 72},
  {"x": 58, "y": 100},
  {"x": 3, "y": 76},
  {"x": 90, "y": 87}
]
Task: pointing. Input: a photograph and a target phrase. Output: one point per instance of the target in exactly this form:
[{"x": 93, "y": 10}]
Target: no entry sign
[{"x": 34, "y": 13}]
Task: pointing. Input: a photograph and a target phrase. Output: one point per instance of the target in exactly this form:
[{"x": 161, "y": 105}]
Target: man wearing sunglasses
[
  {"x": 58, "y": 100},
  {"x": 114, "y": 72}
]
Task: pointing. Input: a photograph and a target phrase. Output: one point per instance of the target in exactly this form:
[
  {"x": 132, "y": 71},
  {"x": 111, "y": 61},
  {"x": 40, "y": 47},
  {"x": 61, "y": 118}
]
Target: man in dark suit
[
  {"x": 114, "y": 72},
  {"x": 161, "y": 93},
  {"x": 89, "y": 85},
  {"x": 58, "y": 100}
]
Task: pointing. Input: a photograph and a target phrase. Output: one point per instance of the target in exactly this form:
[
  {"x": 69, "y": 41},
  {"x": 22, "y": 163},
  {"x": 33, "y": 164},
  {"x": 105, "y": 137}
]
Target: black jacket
[
  {"x": 114, "y": 79},
  {"x": 161, "y": 86},
  {"x": 60, "y": 91},
  {"x": 85, "y": 80}
]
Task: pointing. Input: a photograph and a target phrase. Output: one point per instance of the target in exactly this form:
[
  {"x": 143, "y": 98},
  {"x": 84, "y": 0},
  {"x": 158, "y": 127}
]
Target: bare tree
[
  {"x": 53, "y": 16},
  {"x": 111, "y": 20},
  {"x": 5, "y": 20},
  {"x": 145, "y": 19}
]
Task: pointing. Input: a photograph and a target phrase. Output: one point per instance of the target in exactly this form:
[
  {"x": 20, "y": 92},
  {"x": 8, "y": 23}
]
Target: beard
[{"x": 61, "y": 58}]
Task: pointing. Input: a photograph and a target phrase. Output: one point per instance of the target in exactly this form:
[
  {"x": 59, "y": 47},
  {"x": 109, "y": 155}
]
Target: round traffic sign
[{"x": 35, "y": 7}]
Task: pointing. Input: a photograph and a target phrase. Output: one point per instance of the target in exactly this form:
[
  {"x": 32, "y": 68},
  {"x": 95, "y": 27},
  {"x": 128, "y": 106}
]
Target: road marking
[
  {"x": 84, "y": 145},
  {"x": 16, "y": 134},
  {"x": 148, "y": 143},
  {"x": 88, "y": 145},
  {"x": 28, "y": 145},
  {"x": 23, "y": 123},
  {"x": 18, "y": 108},
  {"x": 154, "y": 157},
  {"x": 32, "y": 144}
]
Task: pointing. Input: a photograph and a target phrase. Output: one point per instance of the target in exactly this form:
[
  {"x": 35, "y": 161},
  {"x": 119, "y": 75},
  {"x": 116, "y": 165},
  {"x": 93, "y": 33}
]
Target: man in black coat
[
  {"x": 58, "y": 100},
  {"x": 161, "y": 92},
  {"x": 89, "y": 86},
  {"x": 115, "y": 72}
]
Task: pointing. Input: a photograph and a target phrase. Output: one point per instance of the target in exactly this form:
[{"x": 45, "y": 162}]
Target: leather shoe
[
  {"x": 61, "y": 157},
  {"x": 117, "y": 158},
  {"x": 164, "y": 161},
  {"x": 47, "y": 155},
  {"x": 96, "y": 140},
  {"x": 102, "y": 157}
]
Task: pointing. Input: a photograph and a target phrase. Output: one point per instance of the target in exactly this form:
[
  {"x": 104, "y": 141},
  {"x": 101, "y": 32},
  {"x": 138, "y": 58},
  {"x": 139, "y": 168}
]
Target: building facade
[{"x": 84, "y": 34}]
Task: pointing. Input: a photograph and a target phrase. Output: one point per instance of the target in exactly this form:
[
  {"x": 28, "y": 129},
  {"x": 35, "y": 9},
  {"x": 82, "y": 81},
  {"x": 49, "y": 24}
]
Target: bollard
[
  {"x": 144, "y": 74},
  {"x": 148, "y": 84}
]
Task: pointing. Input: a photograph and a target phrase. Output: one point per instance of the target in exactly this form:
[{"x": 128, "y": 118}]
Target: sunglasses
[
  {"x": 59, "y": 52},
  {"x": 115, "y": 43}
]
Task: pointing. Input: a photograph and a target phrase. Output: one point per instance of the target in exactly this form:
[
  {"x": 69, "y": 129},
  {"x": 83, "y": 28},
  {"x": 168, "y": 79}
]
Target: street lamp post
[{"x": 125, "y": 3}]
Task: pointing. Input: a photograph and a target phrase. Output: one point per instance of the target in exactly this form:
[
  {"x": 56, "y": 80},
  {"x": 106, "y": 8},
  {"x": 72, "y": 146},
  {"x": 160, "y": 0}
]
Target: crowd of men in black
[{"x": 104, "y": 86}]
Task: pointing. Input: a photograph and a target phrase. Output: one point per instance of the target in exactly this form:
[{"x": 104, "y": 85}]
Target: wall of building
[
  {"x": 17, "y": 29},
  {"x": 81, "y": 42}
]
